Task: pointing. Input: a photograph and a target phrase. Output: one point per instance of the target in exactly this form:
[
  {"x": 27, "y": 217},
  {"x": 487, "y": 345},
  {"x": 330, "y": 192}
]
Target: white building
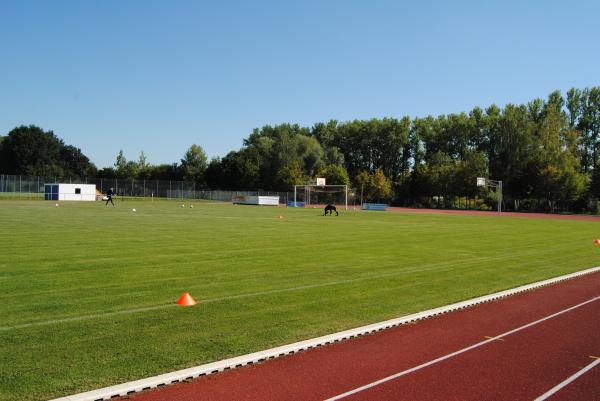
[{"x": 70, "y": 192}]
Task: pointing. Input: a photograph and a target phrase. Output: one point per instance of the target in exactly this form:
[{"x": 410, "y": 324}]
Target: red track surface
[{"x": 521, "y": 366}]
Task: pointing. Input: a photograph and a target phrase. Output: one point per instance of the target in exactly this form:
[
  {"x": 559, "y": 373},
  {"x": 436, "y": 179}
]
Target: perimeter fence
[{"x": 32, "y": 187}]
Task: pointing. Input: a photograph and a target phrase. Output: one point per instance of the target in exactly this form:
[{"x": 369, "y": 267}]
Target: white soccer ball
[
  {"x": 56, "y": 204},
  {"x": 133, "y": 210},
  {"x": 191, "y": 206},
  {"x": 182, "y": 205}
]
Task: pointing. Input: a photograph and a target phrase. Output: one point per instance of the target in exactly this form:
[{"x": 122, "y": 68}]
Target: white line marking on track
[
  {"x": 453, "y": 354},
  {"x": 556, "y": 388}
]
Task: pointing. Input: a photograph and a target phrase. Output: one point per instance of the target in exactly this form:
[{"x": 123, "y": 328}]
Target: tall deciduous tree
[
  {"x": 193, "y": 164},
  {"x": 29, "y": 150},
  {"x": 75, "y": 163},
  {"x": 144, "y": 169},
  {"x": 375, "y": 186},
  {"x": 123, "y": 168},
  {"x": 334, "y": 174}
]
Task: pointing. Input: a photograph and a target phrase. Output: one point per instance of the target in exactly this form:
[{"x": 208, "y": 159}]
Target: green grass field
[{"x": 88, "y": 291}]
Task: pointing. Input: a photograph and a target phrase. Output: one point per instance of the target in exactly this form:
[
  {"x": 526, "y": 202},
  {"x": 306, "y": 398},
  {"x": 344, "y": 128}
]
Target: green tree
[
  {"x": 595, "y": 183},
  {"x": 589, "y": 125},
  {"x": 125, "y": 169},
  {"x": 291, "y": 175},
  {"x": 107, "y": 172},
  {"x": 375, "y": 186},
  {"x": 29, "y": 150},
  {"x": 213, "y": 175},
  {"x": 334, "y": 174},
  {"x": 120, "y": 164},
  {"x": 193, "y": 164},
  {"x": 382, "y": 186},
  {"x": 144, "y": 169},
  {"x": 165, "y": 172},
  {"x": 74, "y": 163},
  {"x": 557, "y": 177},
  {"x": 466, "y": 172},
  {"x": 511, "y": 141}
]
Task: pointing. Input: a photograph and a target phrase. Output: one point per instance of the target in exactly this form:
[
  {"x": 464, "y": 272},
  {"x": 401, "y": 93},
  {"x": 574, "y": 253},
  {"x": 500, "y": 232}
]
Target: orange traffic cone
[{"x": 186, "y": 300}]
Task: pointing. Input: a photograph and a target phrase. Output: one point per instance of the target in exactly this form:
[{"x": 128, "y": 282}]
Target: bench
[{"x": 375, "y": 206}]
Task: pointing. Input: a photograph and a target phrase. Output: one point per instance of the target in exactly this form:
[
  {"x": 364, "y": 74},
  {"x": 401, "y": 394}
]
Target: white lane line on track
[
  {"x": 453, "y": 354},
  {"x": 559, "y": 386}
]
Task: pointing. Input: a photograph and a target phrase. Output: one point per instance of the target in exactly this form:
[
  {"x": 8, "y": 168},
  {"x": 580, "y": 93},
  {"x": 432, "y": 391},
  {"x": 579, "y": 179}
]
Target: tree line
[
  {"x": 31, "y": 151},
  {"x": 544, "y": 151}
]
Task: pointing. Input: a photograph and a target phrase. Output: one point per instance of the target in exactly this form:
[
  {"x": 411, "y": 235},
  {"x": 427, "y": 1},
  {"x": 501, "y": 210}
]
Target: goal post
[{"x": 312, "y": 194}]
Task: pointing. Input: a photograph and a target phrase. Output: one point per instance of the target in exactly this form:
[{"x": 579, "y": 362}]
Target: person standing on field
[
  {"x": 109, "y": 195},
  {"x": 330, "y": 208}
]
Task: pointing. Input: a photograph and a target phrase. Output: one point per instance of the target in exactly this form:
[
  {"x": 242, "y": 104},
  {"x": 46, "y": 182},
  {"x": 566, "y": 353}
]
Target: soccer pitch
[{"x": 88, "y": 291}]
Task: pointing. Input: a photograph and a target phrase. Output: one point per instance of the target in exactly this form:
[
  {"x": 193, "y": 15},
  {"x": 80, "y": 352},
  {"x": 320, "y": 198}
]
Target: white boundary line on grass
[{"x": 124, "y": 389}]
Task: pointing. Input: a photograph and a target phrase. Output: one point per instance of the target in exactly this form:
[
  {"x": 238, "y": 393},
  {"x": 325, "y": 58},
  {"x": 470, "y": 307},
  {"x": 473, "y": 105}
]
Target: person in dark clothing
[
  {"x": 330, "y": 208},
  {"x": 109, "y": 195}
]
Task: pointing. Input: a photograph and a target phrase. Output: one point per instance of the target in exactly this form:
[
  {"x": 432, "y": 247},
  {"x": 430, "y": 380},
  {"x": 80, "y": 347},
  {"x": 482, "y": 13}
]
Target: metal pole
[
  {"x": 499, "y": 196},
  {"x": 361, "y": 194},
  {"x": 346, "y": 188},
  {"x": 295, "y": 205}
]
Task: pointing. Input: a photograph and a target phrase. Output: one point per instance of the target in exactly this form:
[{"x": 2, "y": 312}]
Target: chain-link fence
[{"x": 28, "y": 187}]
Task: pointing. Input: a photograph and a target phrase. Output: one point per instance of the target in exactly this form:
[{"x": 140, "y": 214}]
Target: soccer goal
[{"x": 317, "y": 195}]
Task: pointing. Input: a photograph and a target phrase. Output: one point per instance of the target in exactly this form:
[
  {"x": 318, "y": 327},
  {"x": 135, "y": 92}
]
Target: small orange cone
[
  {"x": 186, "y": 300},
  {"x": 597, "y": 241}
]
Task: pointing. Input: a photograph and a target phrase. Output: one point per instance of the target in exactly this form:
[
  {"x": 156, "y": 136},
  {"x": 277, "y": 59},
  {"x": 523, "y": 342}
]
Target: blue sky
[{"x": 158, "y": 76}]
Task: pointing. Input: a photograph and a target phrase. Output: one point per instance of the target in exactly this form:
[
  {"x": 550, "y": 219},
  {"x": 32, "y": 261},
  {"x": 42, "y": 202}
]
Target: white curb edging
[{"x": 129, "y": 388}]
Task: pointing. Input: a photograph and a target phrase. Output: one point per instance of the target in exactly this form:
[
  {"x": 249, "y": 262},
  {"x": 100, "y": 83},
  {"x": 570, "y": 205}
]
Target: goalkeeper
[
  {"x": 109, "y": 197},
  {"x": 330, "y": 208}
]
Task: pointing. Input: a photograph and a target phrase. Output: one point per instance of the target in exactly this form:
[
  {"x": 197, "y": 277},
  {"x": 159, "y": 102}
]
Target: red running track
[{"x": 562, "y": 333}]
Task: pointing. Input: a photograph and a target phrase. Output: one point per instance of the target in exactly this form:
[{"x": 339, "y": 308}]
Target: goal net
[{"x": 321, "y": 195}]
